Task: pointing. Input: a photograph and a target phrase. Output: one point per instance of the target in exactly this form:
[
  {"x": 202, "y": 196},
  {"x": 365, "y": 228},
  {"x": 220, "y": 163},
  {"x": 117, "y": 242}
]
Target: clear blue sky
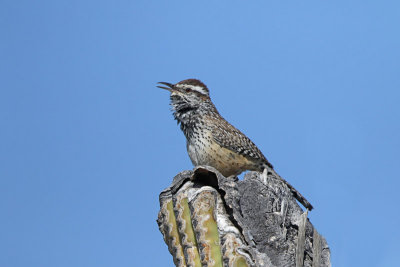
[{"x": 88, "y": 141}]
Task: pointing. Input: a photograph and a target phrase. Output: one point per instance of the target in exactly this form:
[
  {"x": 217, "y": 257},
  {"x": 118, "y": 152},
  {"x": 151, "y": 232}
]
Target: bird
[{"x": 213, "y": 141}]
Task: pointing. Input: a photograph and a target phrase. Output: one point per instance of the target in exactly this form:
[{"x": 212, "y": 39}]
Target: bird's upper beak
[{"x": 169, "y": 88}]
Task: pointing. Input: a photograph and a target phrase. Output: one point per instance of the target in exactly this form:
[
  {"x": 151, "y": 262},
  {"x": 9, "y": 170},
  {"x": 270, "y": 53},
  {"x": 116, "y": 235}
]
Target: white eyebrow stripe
[{"x": 197, "y": 88}]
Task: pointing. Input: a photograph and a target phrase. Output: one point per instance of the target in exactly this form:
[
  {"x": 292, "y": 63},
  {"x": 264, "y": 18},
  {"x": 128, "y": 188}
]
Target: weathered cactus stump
[{"x": 210, "y": 220}]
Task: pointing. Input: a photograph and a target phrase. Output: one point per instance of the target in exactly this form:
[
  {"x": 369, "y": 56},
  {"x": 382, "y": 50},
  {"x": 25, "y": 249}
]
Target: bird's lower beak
[{"x": 169, "y": 88}]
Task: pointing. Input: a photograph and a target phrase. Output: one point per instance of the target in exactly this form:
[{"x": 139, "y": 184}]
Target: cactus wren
[{"x": 213, "y": 141}]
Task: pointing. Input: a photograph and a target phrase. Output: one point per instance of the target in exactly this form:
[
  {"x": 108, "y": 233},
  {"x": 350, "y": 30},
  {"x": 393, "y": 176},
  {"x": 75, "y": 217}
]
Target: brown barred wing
[{"x": 227, "y": 136}]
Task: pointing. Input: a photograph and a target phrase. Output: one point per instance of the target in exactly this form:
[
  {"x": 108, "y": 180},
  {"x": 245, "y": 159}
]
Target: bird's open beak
[{"x": 169, "y": 88}]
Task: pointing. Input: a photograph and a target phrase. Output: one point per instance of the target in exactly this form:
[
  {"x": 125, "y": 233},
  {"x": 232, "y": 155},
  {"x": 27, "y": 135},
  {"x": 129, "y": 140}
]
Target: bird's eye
[{"x": 187, "y": 89}]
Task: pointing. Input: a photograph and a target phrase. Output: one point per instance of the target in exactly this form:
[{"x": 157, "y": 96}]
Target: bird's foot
[{"x": 265, "y": 175}]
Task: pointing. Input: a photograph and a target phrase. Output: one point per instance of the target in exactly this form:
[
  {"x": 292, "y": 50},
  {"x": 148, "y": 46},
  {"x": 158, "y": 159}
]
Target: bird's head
[{"x": 187, "y": 97}]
